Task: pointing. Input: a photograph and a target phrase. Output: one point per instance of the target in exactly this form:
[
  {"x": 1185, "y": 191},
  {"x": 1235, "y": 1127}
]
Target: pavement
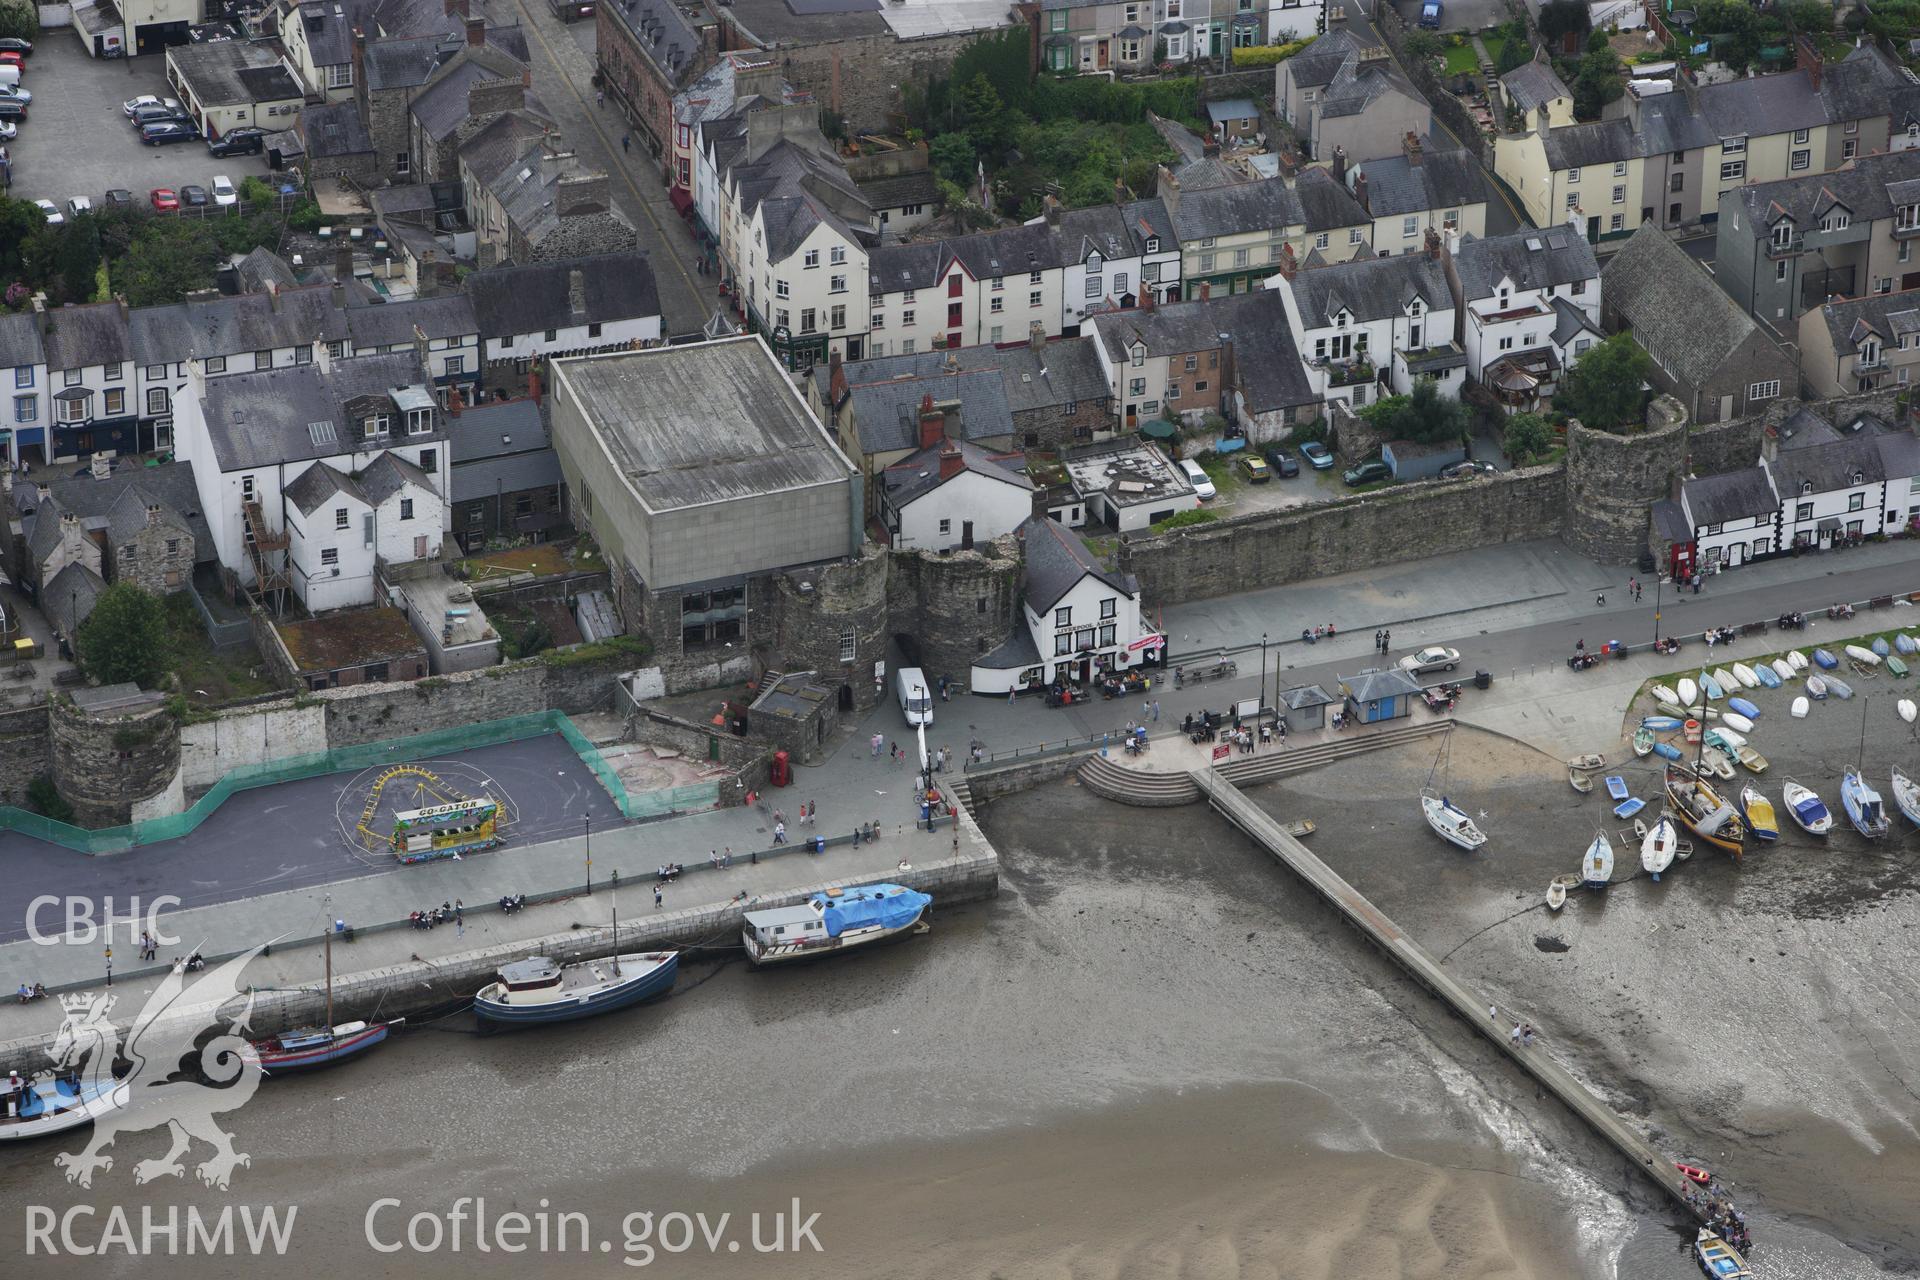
[{"x": 77, "y": 141}]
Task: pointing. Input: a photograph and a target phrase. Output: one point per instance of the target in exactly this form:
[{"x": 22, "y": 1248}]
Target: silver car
[{"x": 1432, "y": 658}]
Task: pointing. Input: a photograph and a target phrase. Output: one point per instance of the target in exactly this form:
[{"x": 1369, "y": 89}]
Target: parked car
[
  {"x": 13, "y": 112},
  {"x": 119, "y": 198},
  {"x": 1284, "y": 464},
  {"x": 79, "y": 205},
  {"x": 1318, "y": 456},
  {"x": 1367, "y": 473},
  {"x": 1254, "y": 468},
  {"x": 12, "y": 58},
  {"x": 223, "y": 191},
  {"x": 15, "y": 92},
  {"x": 1197, "y": 477},
  {"x": 238, "y": 142},
  {"x": 52, "y": 210},
  {"x": 158, "y": 114},
  {"x": 1431, "y": 13},
  {"x": 174, "y": 105},
  {"x": 8, "y": 131},
  {"x": 193, "y": 196},
  {"x": 163, "y": 199},
  {"x": 14, "y": 44},
  {"x": 156, "y": 135},
  {"x": 1433, "y": 658},
  {"x": 1467, "y": 470}
]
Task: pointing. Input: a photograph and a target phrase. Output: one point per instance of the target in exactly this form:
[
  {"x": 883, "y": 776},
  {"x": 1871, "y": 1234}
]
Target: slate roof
[
  {"x": 76, "y": 337},
  {"x": 1442, "y": 180},
  {"x": 918, "y": 474},
  {"x": 329, "y": 39},
  {"x": 531, "y": 205},
  {"x": 1531, "y": 259},
  {"x": 1064, "y": 371},
  {"x": 264, "y": 267},
  {"x": 664, "y": 37},
  {"x": 383, "y": 324},
  {"x": 387, "y": 474},
  {"x": 785, "y": 184},
  {"x": 128, "y": 514},
  {"x": 536, "y": 297},
  {"x": 316, "y": 486},
  {"x": 335, "y": 129},
  {"x": 70, "y": 597},
  {"x": 1016, "y": 653},
  {"x": 233, "y": 72},
  {"x": 703, "y": 423},
  {"x": 171, "y": 484},
  {"x": 1678, "y": 314},
  {"x": 1266, "y": 364},
  {"x": 1231, "y": 109},
  {"x": 1888, "y": 315},
  {"x": 1534, "y": 85},
  {"x": 1827, "y": 467},
  {"x": 1055, "y": 562},
  {"x": 903, "y": 189},
  {"x": 20, "y": 341},
  {"x": 408, "y": 62},
  {"x": 1569, "y": 320},
  {"x": 502, "y": 448},
  {"x": 441, "y": 107},
  {"x": 1868, "y": 189},
  {"x": 1580, "y": 146},
  {"x": 498, "y": 145},
  {"x": 1374, "y": 686},
  {"x": 257, "y": 419},
  {"x": 1369, "y": 288},
  {"x": 1358, "y": 85},
  {"x": 1734, "y": 495},
  {"x": 1174, "y": 328},
  {"x": 1325, "y": 205},
  {"x": 1248, "y": 206},
  {"x": 235, "y": 325}
]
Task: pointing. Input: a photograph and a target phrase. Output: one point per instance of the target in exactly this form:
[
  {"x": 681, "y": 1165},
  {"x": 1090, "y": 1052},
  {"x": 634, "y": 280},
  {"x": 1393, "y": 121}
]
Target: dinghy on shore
[
  {"x": 1768, "y": 676},
  {"x": 1688, "y": 691},
  {"x": 1658, "y": 846},
  {"x": 1783, "y": 669},
  {"x": 1807, "y": 809},
  {"x": 1745, "y": 675},
  {"x": 1758, "y": 811},
  {"x": 1743, "y": 707},
  {"x": 1596, "y": 865},
  {"x": 1798, "y": 660},
  {"x": 1661, "y": 693},
  {"x": 1799, "y": 709}
]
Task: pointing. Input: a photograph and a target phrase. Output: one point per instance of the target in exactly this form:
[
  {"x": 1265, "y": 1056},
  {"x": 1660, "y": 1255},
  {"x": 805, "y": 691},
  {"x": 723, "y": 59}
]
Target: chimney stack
[
  {"x": 933, "y": 423},
  {"x": 476, "y": 32},
  {"x": 1340, "y": 165},
  {"x": 577, "y": 295},
  {"x": 1808, "y": 59},
  {"x": 359, "y": 57},
  {"x": 1051, "y": 207},
  {"x": 343, "y": 262},
  {"x": 1433, "y": 244},
  {"x": 951, "y": 463},
  {"x": 533, "y": 383},
  {"x": 1360, "y": 191},
  {"x": 455, "y": 401},
  {"x": 1169, "y": 187},
  {"x": 1289, "y": 265},
  {"x": 1036, "y": 336},
  {"x": 153, "y": 514},
  {"x": 1411, "y": 145}
]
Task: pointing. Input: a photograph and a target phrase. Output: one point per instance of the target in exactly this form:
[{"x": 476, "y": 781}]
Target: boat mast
[
  {"x": 616, "y": 928},
  {"x": 326, "y": 937}
]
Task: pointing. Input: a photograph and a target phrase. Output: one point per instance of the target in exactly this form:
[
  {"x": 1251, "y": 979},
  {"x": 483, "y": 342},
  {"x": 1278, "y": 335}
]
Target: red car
[
  {"x": 164, "y": 199},
  {"x": 11, "y": 58}
]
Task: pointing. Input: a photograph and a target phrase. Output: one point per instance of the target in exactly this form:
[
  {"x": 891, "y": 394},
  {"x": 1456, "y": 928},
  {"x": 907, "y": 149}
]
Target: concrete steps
[
  {"x": 1246, "y": 771},
  {"x": 1136, "y": 787}
]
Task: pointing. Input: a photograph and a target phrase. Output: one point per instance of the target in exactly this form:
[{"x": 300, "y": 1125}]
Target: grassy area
[
  {"x": 208, "y": 676},
  {"x": 546, "y": 558},
  {"x": 1495, "y": 43},
  {"x": 1226, "y": 480},
  {"x": 1834, "y": 646},
  {"x": 1463, "y": 60}
]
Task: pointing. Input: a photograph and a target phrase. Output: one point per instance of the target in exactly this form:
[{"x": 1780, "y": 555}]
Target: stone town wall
[
  {"x": 371, "y": 712},
  {"x": 1724, "y": 446},
  {"x": 854, "y": 78},
  {"x": 104, "y": 763},
  {"x": 957, "y": 606},
  {"x": 811, "y": 611},
  {"x": 25, "y": 752},
  {"x": 1395, "y": 524},
  {"x": 1612, "y": 482},
  {"x": 213, "y": 748}
]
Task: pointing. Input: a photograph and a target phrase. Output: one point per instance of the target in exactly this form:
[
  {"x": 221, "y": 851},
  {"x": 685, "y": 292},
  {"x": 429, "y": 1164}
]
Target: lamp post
[
  {"x": 589, "y": 855},
  {"x": 1658, "y": 581},
  {"x": 1263, "y": 676}
]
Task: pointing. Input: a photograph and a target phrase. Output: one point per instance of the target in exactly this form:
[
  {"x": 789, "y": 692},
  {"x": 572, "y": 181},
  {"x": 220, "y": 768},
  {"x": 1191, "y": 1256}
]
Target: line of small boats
[{"x": 530, "y": 991}]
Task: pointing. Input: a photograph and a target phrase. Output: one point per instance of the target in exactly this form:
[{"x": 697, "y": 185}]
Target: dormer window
[
  {"x": 1806, "y": 487},
  {"x": 1139, "y": 355},
  {"x": 1505, "y": 293},
  {"x": 1414, "y": 308},
  {"x": 1153, "y": 244},
  {"x": 378, "y": 426},
  {"x": 1093, "y": 263},
  {"x": 1783, "y": 232},
  {"x": 1859, "y": 477},
  {"x": 1908, "y": 217},
  {"x": 1836, "y": 220},
  {"x": 419, "y": 422}
]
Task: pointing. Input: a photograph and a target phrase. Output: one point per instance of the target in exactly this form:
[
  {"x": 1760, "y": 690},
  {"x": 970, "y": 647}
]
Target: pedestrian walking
[
  {"x": 779, "y": 833},
  {"x": 1580, "y": 645},
  {"x": 1377, "y": 643},
  {"x": 599, "y": 97},
  {"x": 1154, "y": 707},
  {"x": 656, "y": 897},
  {"x": 1010, "y": 694},
  {"x": 1600, "y": 599},
  {"x": 877, "y": 740},
  {"x": 626, "y": 141},
  {"x": 1386, "y": 640},
  {"x": 726, "y": 858},
  {"x": 1696, "y": 584},
  {"x": 459, "y": 918}
]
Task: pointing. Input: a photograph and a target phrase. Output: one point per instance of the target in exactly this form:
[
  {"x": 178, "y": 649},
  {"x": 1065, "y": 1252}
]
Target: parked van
[
  {"x": 916, "y": 697},
  {"x": 9, "y": 76}
]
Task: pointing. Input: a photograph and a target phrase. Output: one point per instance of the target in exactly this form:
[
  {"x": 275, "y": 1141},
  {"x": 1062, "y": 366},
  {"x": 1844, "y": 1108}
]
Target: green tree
[
  {"x": 19, "y": 19},
  {"x": 986, "y": 118},
  {"x": 1603, "y": 388},
  {"x": 1429, "y": 417},
  {"x": 1514, "y": 54},
  {"x": 77, "y": 257},
  {"x": 125, "y": 637},
  {"x": 1528, "y": 436},
  {"x": 1562, "y": 18},
  {"x": 45, "y": 799},
  {"x": 1814, "y": 17},
  {"x": 19, "y": 221},
  {"x": 951, "y": 155},
  {"x": 168, "y": 258}
]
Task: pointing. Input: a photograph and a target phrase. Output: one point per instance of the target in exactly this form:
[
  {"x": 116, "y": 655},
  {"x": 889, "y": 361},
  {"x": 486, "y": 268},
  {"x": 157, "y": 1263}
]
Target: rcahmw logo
[{"x": 83, "y": 1231}]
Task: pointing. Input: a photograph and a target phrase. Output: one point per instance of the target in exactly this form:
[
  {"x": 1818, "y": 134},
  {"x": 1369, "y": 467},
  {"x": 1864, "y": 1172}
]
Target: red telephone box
[{"x": 781, "y": 774}]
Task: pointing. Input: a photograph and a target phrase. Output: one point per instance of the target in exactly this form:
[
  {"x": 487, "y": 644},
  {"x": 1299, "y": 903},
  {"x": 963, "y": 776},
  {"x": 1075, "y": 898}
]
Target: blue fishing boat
[
  {"x": 1718, "y": 1258},
  {"x": 834, "y": 922},
  {"x": 1667, "y": 751},
  {"x": 1767, "y": 676},
  {"x": 1880, "y": 646},
  {"x": 48, "y": 1105},
  {"x": 1744, "y": 707},
  {"x": 1824, "y": 660},
  {"x": 1616, "y": 786},
  {"x": 538, "y": 990},
  {"x": 1627, "y": 808},
  {"x": 1863, "y": 805},
  {"x": 1661, "y": 724},
  {"x": 1906, "y": 644},
  {"x": 1711, "y": 687},
  {"x": 310, "y": 1047}
]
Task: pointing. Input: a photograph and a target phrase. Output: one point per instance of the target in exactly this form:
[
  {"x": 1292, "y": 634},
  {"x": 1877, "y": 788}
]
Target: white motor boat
[
  {"x": 1659, "y": 846},
  {"x": 1451, "y": 822}
]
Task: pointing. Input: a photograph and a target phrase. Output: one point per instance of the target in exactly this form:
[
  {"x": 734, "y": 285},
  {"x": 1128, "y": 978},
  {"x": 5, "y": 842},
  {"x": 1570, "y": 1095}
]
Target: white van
[
  {"x": 916, "y": 698},
  {"x": 9, "y": 75}
]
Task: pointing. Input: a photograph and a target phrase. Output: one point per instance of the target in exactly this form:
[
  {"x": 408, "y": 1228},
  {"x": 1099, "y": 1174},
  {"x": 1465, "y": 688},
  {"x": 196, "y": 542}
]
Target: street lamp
[
  {"x": 1659, "y": 581},
  {"x": 589, "y": 821},
  {"x": 1263, "y": 676}
]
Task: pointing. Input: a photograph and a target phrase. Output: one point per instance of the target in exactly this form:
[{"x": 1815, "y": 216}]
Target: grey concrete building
[
  {"x": 1784, "y": 248},
  {"x": 1707, "y": 352},
  {"x": 704, "y": 477}
]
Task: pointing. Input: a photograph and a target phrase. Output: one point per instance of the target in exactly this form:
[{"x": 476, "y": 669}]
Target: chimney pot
[
  {"x": 933, "y": 424},
  {"x": 1360, "y": 192},
  {"x": 476, "y": 32},
  {"x": 1036, "y": 336},
  {"x": 951, "y": 463}
]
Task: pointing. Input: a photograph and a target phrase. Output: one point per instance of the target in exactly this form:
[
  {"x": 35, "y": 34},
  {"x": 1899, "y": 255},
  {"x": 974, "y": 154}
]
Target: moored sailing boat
[
  {"x": 1698, "y": 808},
  {"x": 304, "y": 1048}
]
